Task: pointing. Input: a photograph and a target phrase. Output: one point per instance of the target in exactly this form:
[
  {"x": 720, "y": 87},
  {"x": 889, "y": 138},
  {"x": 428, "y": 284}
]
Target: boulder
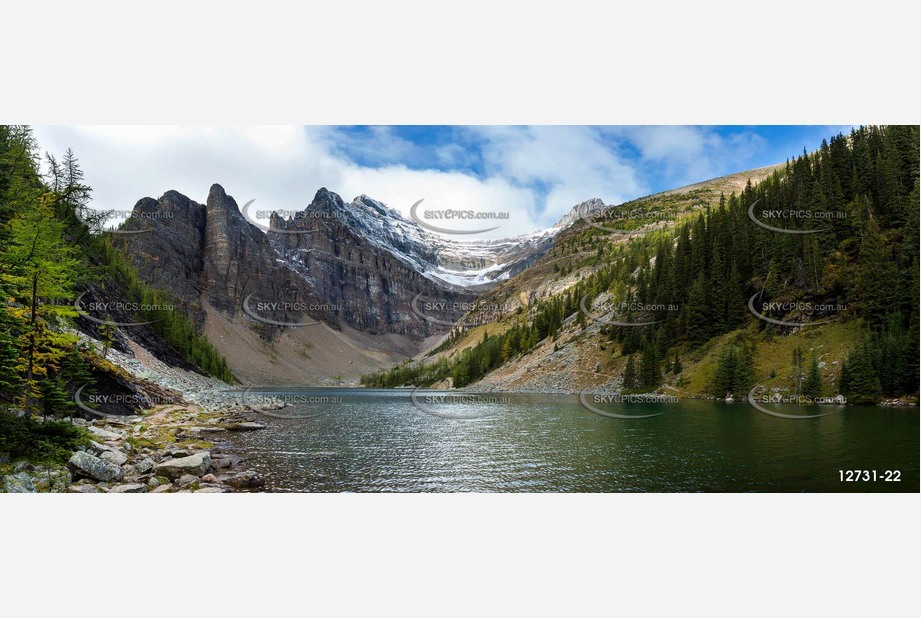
[
  {"x": 161, "y": 489},
  {"x": 187, "y": 479},
  {"x": 82, "y": 489},
  {"x": 18, "y": 483},
  {"x": 244, "y": 480},
  {"x": 104, "y": 433},
  {"x": 129, "y": 488},
  {"x": 196, "y": 464},
  {"x": 84, "y": 464},
  {"x": 116, "y": 457},
  {"x": 226, "y": 461},
  {"x": 245, "y": 426}
]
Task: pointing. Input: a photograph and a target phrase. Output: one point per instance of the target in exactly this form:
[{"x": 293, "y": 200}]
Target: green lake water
[{"x": 362, "y": 440}]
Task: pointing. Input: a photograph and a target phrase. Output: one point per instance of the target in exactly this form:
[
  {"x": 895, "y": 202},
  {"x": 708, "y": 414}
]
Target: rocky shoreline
[{"x": 168, "y": 450}]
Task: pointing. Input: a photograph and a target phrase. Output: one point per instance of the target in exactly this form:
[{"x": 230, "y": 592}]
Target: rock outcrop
[
  {"x": 197, "y": 465},
  {"x": 84, "y": 464}
]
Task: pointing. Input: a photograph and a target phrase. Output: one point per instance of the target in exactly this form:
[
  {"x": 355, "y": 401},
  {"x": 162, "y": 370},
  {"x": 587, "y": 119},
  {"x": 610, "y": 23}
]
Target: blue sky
[
  {"x": 535, "y": 173},
  {"x": 454, "y": 148}
]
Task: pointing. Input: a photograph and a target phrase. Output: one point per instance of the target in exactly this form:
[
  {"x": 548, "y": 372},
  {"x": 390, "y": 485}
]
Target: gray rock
[
  {"x": 116, "y": 457},
  {"x": 187, "y": 479},
  {"x": 196, "y": 464},
  {"x": 129, "y": 488},
  {"x": 18, "y": 483},
  {"x": 245, "y": 426},
  {"x": 52, "y": 480},
  {"x": 84, "y": 464},
  {"x": 226, "y": 461},
  {"x": 96, "y": 448},
  {"x": 209, "y": 478},
  {"x": 104, "y": 433},
  {"x": 244, "y": 480},
  {"x": 210, "y": 490},
  {"x": 82, "y": 489},
  {"x": 153, "y": 482},
  {"x": 161, "y": 489}
]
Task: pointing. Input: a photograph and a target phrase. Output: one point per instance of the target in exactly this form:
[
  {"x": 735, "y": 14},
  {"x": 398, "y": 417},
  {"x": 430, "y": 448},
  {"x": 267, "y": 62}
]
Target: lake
[{"x": 369, "y": 440}]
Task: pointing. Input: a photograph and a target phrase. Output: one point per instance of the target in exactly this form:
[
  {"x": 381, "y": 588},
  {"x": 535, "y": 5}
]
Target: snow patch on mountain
[{"x": 462, "y": 263}]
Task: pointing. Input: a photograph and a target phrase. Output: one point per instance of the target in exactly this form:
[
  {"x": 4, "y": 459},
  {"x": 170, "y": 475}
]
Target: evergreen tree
[
  {"x": 862, "y": 383},
  {"x": 877, "y": 277},
  {"x": 10, "y": 381},
  {"x": 813, "y": 386},
  {"x": 650, "y": 376},
  {"x": 698, "y": 313},
  {"x": 797, "y": 375},
  {"x": 630, "y": 377}
]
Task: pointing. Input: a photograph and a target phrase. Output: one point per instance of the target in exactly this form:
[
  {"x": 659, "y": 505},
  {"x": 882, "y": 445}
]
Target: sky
[{"x": 535, "y": 174}]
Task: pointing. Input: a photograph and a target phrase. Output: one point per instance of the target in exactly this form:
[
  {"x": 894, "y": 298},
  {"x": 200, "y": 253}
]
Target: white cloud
[
  {"x": 685, "y": 155},
  {"x": 536, "y": 174},
  {"x": 279, "y": 167},
  {"x": 282, "y": 167},
  {"x": 572, "y": 163}
]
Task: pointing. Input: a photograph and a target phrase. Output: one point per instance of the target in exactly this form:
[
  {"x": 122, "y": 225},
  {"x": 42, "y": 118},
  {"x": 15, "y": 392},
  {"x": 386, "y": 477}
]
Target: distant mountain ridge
[{"x": 444, "y": 260}]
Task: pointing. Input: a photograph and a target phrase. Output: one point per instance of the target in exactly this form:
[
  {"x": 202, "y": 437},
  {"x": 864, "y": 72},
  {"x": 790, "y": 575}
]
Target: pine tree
[
  {"x": 862, "y": 383},
  {"x": 76, "y": 373},
  {"x": 877, "y": 277},
  {"x": 629, "y": 378},
  {"x": 736, "y": 304},
  {"x": 813, "y": 386},
  {"x": 10, "y": 381},
  {"x": 42, "y": 272},
  {"x": 698, "y": 313},
  {"x": 797, "y": 375},
  {"x": 53, "y": 397}
]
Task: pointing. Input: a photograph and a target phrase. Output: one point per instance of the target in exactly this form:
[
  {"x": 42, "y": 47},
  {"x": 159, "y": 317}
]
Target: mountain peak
[
  {"x": 217, "y": 191},
  {"x": 580, "y": 210}
]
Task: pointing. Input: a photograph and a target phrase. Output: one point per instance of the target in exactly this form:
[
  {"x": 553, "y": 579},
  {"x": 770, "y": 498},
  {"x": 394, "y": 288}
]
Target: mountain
[
  {"x": 338, "y": 290},
  {"x": 446, "y": 261},
  {"x": 801, "y": 278}
]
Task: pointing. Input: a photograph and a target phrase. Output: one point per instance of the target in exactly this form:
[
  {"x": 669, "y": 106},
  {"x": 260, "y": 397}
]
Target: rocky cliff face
[{"x": 211, "y": 255}]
